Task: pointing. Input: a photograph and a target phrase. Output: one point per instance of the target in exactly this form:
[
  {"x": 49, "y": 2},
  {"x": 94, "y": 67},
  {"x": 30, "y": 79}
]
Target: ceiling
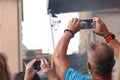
[{"x": 65, "y": 6}]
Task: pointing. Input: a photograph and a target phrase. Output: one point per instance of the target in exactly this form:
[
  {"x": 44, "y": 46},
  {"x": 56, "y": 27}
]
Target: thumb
[
  {"x": 35, "y": 71},
  {"x": 52, "y": 65}
]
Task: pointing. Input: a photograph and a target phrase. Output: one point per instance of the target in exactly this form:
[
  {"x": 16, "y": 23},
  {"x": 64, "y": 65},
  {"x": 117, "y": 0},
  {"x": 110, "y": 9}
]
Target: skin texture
[{"x": 49, "y": 70}]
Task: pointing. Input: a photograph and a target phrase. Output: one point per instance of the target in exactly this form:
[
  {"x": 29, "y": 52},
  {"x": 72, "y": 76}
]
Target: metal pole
[{"x": 52, "y": 32}]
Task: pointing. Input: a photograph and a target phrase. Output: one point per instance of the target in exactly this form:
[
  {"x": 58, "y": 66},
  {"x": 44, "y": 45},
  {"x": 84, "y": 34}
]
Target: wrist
[
  {"x": 27, "y": 78},
  {"x": 105, "y": 34},
  {"x": 55, "y": 78},
  {"x": 109, "y": 37},
  {"x": 70, "y": 31}
]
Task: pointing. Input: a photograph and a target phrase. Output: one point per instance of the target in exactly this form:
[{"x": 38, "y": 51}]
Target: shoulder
[{"x": 72, "y": 74}]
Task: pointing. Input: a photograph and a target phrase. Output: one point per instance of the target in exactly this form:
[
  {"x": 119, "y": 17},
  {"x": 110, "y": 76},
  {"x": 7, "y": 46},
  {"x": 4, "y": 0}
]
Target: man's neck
[
  {"x": 106, "y": 77},
  {"x": 102, "y": 78}
]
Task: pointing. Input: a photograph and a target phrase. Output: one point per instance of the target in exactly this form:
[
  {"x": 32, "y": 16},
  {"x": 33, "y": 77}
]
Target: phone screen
[{"x": 87, "y": 24}]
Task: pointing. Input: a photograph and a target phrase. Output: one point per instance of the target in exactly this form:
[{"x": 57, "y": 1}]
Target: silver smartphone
[{"x": 87, "y": 24}]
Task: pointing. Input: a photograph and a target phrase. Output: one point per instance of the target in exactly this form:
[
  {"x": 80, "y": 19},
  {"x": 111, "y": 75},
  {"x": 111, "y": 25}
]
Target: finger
[
  {"x": 42, "y": 66},
  {"x": 46, "y": 62},
  {"x": 78, "y": 22},
  {"x": 75, "y": 20},
  {"x": 24, "y": 63},
  {"x": 42, "y": 62},
  {"x": 52, "y": 64},
  {"x": 72, "y": 19},
  {"x": 30, "y": 64},
  {"x": 94, "y": 19}
]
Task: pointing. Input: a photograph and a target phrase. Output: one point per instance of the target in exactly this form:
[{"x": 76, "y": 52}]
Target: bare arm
[
  {"x": 59, "y": 54},
  {"x": 116, "y": 46},
  {"x": 102, "y": 30}
]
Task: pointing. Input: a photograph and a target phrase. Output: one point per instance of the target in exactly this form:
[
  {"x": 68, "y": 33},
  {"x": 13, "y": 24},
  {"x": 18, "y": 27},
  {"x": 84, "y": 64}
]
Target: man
[{"x": 100, "y": 56}]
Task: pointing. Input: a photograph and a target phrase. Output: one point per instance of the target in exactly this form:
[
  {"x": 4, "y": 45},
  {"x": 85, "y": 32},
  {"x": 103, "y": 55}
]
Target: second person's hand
[{"x": 29, "y": 72}]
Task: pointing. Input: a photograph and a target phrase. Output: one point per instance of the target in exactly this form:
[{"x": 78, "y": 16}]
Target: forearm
[
  {"x": 113, "y": 43},
  {"x": 54, "y": 78},
  {"x": 27, "y": 78},
  {"x": 61, "y": 48},
  {"x": 59, "y": 55},
  {"x": 116, "y": 46}
]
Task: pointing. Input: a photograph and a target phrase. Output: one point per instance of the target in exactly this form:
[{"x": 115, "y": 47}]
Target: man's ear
[
  {"x": 113, "y": 62},
  {"x": 89, "y": 66}
]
